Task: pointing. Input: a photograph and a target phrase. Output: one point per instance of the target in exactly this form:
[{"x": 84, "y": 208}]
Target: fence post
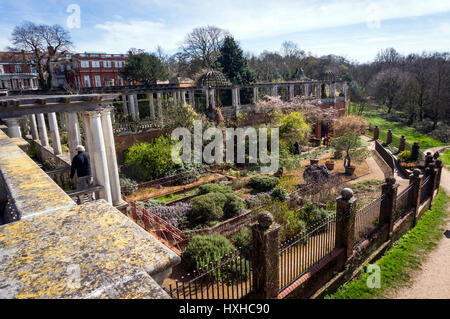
[
  {"x": 428, "y": 159},
  {"x": 401, "y": 144},
  {"x": 389, "y": 137},
  {"x": 415, "y": 151},
  {"x": 265, "y": 256},
  {"x": 438, "y": 174},
  {"x": 376, "y": 132},
  {"x": 415, "y": 179},
  {"x": 345, "y": 221},
  {"x": 389, "y": 190}
]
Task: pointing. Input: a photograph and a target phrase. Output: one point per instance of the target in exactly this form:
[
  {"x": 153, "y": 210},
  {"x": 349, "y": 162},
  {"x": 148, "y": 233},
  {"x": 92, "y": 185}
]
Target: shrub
[
  {"x": 232, "y": 205},
  {"x": 293, "y": 128},
  {"x": 350, "y": 124},
  {"x": 312, "y": 214},
  {"x": 264, "y": 183},
  {"x": 279, "y": 193},
  {"x": 213, "y": 188},
  {"x": 150, "y": 160},
  {"x": 293, "y": 226},
  {"x": 207, "y": 207},
  {"x": 205, "y": 248},
  {"x": 404, "y": 156},
  {"x": 243, "y": 239},
  {"x": 128, "y": 185}
]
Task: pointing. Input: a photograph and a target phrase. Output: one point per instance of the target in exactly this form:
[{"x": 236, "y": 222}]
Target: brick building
[
  {"x": 16, "y": 72},
  {"x": 81, "y": 70}
]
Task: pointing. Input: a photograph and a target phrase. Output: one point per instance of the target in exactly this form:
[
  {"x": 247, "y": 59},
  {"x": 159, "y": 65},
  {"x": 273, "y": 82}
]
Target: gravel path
[{"x": 433, "y": 280}]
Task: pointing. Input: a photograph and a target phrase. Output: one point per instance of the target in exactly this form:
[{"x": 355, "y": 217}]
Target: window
[
  {"x": 98, "y": 82},
  {"x": 95, "y": 64},
  {"x": 84, "y": 64},
  {"x": 87, "y": 81},
  {"x": 106, "y": 64},
  {"x": 118, "y": 64},
  {"x": 18, "y": 69}
]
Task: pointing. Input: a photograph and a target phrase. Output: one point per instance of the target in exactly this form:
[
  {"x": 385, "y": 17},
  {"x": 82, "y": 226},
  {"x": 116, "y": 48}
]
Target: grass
[
  {"x": 372, "y": 116},
  {"x": 404, "y": 258},
  {"x": 446, "y": 158}
]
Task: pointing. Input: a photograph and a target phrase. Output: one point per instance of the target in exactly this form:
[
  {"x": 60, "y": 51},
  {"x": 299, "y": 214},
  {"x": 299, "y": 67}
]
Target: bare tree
[
  {"x": 45, "y": 43},
  {"x": 203, "y": 44}
]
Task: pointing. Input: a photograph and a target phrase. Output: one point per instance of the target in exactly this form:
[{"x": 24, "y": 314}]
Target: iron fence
[
  {"x": 403, "y": 202},
  {"x": 367, "y": 219},
  {"x": 299, "y": 254},
  {"x": 229, "y": 277},
  {"x": 425, "y": 190}
]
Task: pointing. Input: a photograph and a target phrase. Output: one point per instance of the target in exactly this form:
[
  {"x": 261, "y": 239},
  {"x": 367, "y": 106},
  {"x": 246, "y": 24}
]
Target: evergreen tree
[
  {"x": 233, "y": 64},
  {"x": 145, "y": 68}
]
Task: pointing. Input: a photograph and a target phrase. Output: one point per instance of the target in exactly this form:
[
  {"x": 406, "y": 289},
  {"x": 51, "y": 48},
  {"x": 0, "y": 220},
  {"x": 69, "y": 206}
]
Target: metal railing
[
  {"x": 403, "y": 202},
  {"x": 425, "y": 189},
  {"x": 367, "y": 219},
  {"x": 299, "y": 254},
  {"x": 86, "y": 195},
  {"x": 229, "y": 277}
]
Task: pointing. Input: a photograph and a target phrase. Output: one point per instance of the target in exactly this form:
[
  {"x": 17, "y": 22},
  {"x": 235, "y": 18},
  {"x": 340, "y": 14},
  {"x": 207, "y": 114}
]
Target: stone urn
[
  {"x": 350, "y": 170},
  {"x": 330, "y": 165},
  {"x": 314, "y": 161}
]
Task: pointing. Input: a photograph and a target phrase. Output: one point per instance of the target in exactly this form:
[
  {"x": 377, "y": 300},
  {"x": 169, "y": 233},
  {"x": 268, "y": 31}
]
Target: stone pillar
[
  {"x": 192, "y": 98},
  {"x": 389, "y": 137},
  {"x": 439, "y": 167},
  {"x": 344, "y": 90},
  {"x": 255, "y": 94},
  {"x": 265, "y": 256},
  {"x": 332, "y": 90},
  {"x": 345, "y": 221},
  {"x": 98, "y": 155},
  {"x": 132, "y": 107},
  {"x": 318, "y": 129},
  {"x": 111, "y": 157},
  {"x": 401, "y": 144},
  {"x": 274, "y": 91},
  {"x": 207, "y": 99},
  {"x": 13, "y": 127},
  {"x": 73, "y": 132},
  {"x": 151, "y": 106},
  {"x": 212, "y": 93},
  {"x": 183, "y": 97},
  {"x": 174, "y": 96},
  {"x": 376, "y": 132},
  {"x": 428, "y": 159},
  {"x": 125, "y": 107},
  {"x": 416, "y": 180},
  {"x": 34, "y": 129},
  {"x": 158, "y": 103},
  {"x": 307, "y": 89},
  {"x": 415, "y": 151},
  {"x": 389, "y": 190},
  {"x": 291, "y": 92},
  {"x": 54, "y": 133},
  {"x": 42, "y": 130},
  {"x": 136, "y": 106},
  {"x": 432, "y": 172}
]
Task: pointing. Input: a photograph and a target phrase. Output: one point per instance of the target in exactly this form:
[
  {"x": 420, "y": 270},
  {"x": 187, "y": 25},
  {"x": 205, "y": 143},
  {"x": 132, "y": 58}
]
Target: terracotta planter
[
  {"x": 329, "y": 165},
  {"x": 314, "y": 161},
  {"x": 349, "y": 170}
]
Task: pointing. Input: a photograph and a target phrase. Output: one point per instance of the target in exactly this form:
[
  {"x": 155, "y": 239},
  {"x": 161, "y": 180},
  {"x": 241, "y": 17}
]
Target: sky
[{"x": 354, "y": 29}]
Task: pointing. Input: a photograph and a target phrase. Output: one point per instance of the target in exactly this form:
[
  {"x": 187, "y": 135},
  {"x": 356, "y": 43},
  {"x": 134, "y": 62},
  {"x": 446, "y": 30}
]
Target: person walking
[{"x": 81, "y": 164}]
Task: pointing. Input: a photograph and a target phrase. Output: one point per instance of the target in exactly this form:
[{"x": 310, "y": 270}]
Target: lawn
[
  {"x": 400, "y": 263},
  {"x": 399, "y": 129},
  {"x": 446, "y": 158}
]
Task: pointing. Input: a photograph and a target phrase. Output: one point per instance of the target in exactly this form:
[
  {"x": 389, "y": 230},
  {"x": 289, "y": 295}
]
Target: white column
[
  {"x": 54, "y": 133},
  {"x": 207, "y": 99},
  {"x": 238, "y": 96},
  {"x": 213, "y": 98},
  {"x": 151, "y": 106},
  {"x": 183, "y": 97},
  {"x": 132, "y": 107},
  {"x": 73, "y": 132},
  {"x": 174, "y": 96},
  {"x": 125, "y": 107},
  {"x": 192, "y": 98},
  {"x": 158, "y": 102},
  {"x": 255, "y": 94},
  {"x": 291, "y": 92},
  {"x": 13, "y": 129},
  {"x": 98, "y": 155},
  {"x": 42, "y": 130},
  {"x": 274, "y": 90},
  {"x": 110, "y": 148},
  {"x": 34, "y": 130},
  {"x": 136, "y": 106},
  {"x": 307, "y": 93}
]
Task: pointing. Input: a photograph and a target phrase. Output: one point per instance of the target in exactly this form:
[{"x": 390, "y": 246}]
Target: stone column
[
  {"x": 388, "y": 205},
  {"x": 416, "y": 180},
  {"x": 255, "y": 94},
  {"x": 110, "y": 148},
  {"x": 151, "y": 106},
  {"x": 207, "y": 99},
  {"x": 13, "y": 127},
  {"x": 183, "y": 97},
  {"x": 158, "y": 103},
  {"x": 212, "y": 92},
  {"x": 34, "y": 129},
  {"x": 192, "y": 98},
  {"x": 73, "y": 132},
  {"x": 265, "y": 256},
  {"x": 332, "y": 90},
  {"x": 274, "y": 91},
  {"x": 307, "y": 89},
  {"x": 98, "y": 155},
  {"x": 125, "y": 107},
  {"x": 345, "y": 221},
  {"x": 376, "y": 133},
  {"x": 136, "y": 106},
  {"x": 318, "y": 129},
  {"x": 42, "y": 130},
  {"x": 439, "y": 167},
  {"x": 432, "y": 172},
  {"x": 132, "y": 107},
  {"x": 389, "y": 137},
  {"x": 291, "y": 92},
  {"x": 54, "y": 133},
  {"x": 174, "y": 96},
  {"x": 401, "y": 144}
]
